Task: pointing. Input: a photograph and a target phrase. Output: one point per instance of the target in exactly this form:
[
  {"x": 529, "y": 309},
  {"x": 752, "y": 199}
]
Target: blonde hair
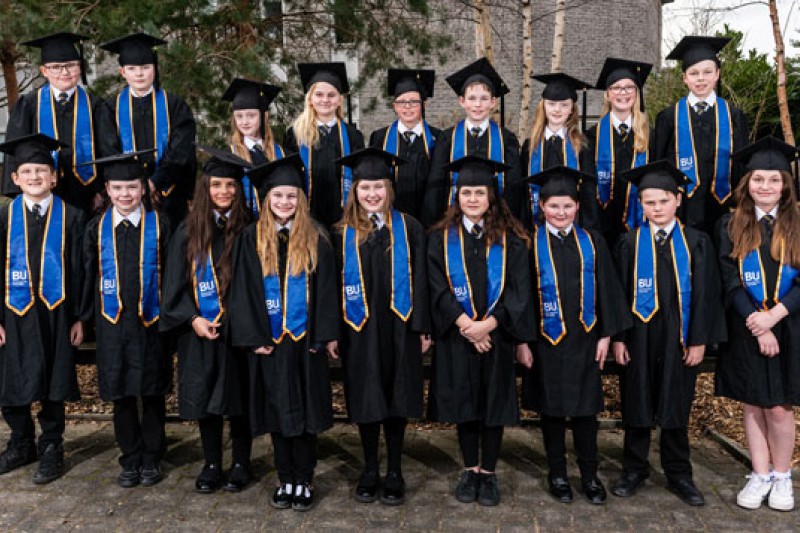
[
  {"x": 267, "y": 139},
  {"x": 301, "y": 254},
  {"x": 641, "y": 126},
  {"x": 305, "y": 126},
  {"x": 356, "y": 217},
  {"x": 577, "y": 138}
]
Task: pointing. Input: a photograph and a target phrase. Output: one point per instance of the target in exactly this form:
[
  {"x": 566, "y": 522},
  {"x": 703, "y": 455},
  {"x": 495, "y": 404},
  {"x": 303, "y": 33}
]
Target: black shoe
[
  {"x": 282, "y": 497},
  {"x": 626, "y": 485},
  {"x": 367, "y": 487},
  {"x": 560, "y": 488},
  {"x": 129, "y": 477},
  {"x": 394, "y": 489},
  {"x": 594, "y": 491},
  {"x": 238, "y": 477},
  {"x": 51, "y": 465},
  {"x": 488, "y": 492},
  {"x": 686, "y": 491},
  {"x": 151, "y": 475},
  {"x": 467, "y": 488},
  {"x": 303, "y": 499},
  {"x": 16, "y": 456},
  {"x": 209, "y": 480}
]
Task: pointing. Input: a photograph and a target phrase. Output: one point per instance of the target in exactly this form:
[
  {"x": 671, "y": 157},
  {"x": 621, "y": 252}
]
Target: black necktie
[
  {"x": 324, "y": 130},
  {"x": 63, "y": 98},
  {"x": 222, "y": 221},
  {"x": 258, "y": 148},
  {"x": 562, "y": 234},
  {"x": 476, "y": 231},
  {"x": 408, "y": 136},
  {"x": 283, "y": 234},
  {"x": 126, "y": 222},
  {"x": 768, "y": 220},
  {"x": 36, "y": 209},
  {"x": 661, "y": 237},
  {"x": 701, "y": 107},
  {"x": 554, "y": 140},
  {"x": 623, "y": 130},
  {"x": 376, "y": 221},
  {"x": 476, "y": 132}
]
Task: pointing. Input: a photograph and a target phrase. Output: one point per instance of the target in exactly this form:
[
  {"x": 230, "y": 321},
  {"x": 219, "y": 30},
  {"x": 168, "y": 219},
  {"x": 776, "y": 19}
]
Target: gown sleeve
[
  {"x": 89, "y": 269},
  {"x": 327, "y": 310},
  {"x": 445, "y": 309},
  {"x": 179, "y": 306},
  {"x": 437, "y": 187},
  {"x": 614, "y": 315},
  {"x": 514, "y": 312},
  {"x": 249, "y": 324},
  {"x": 180, "y": 152},
  {"x": 707, "y": 325},
  {"x": 734, "y": 293},
  {"x": 421, "y": 317},
  {"x": 75, "y": 288}
]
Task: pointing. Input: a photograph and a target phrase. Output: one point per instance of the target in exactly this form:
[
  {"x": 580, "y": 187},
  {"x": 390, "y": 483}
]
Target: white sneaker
[
  {"x": 782, "y": 497},
  {"x": 754, "y": 492}
]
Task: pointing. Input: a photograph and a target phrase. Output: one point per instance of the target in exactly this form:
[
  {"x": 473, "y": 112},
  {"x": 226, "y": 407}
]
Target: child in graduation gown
[
  {"x": 212, "y": 376},
  {"x": 478, "y": 86},
  {"x": 123, "y": 251},
  {"x": 286, "y": 312},
  {"x": 556, "y": 139},
  {"x": 580, "y": 306},
  {"x": 671, "y": 280},
  {"x": 760, "y": 277},
  {"x": 321, "y": 136},
  {"x": 40, "y": 316},
  {"x": 481, "y": 308},
  {"x": 410, "y": 136},
  {"x": 251, "y": 135},
  {"x": 381, "y": 253},
  {"x": 620, "y": 141},
  {"x": 700, "y": 132}
]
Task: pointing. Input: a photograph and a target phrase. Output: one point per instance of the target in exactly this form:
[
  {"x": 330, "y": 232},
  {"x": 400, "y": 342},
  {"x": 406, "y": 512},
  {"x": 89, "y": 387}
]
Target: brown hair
[
  {"x": 577, "y": 138},
  {"x": 356, "y": 217},
  {"x": 301, "y": 253},
  {"x": 267, "y": 139}
]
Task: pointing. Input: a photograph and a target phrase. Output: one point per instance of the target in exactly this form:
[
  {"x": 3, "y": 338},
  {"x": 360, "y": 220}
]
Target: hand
[
  {"x": 484, "y": 345},
  {"x": 155, "y": 196},
  {"x": 694, "y": 355},
  {"x": 479, "y": 329},
  {"x": 264, "y": 350},
  {"x": 2, "y": 336},
  {"x": 602, "y": 351},
  {"x": 524, "y": 355},
  {"x": 426, "y": 342},
  {"x": 768, "y": 344},
  {"x": 205, "y": 329},
  {"x": 97, "y": 202},
  {"x": 760, "y": 322},
  {"x": 621, "y": 354},
  {"x": 75, "y": 334},
  {"x": 333, "y": 349}
]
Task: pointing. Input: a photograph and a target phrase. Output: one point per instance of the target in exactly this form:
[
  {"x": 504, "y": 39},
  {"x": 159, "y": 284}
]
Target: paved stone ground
[{"x": 88, "y": 499}]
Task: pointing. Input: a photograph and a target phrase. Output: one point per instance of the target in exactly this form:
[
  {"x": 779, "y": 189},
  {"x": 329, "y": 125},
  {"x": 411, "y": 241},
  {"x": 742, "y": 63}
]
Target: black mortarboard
[
  {"x": 659, "y": 175},
  {"x": 289, "y": 170},
  {"x": 560, "y": 86},
  {"x": 694, "y": 49},
  {"x": 400, "y": 81},
  {"x": 223, "y": 163},
  {"x": 135, "y": 49},
  {"x": 478, "y": 71},
  {"x": 371, "y": 164},
  {"x": 476, "y": 171},
  {"x": 559, "y": 181},
  {"x": 248, "y": 94},
  {"x": 121, "y": 167},
  {"x": 622, "y": 69},
  {"x": 333, "y": 73},
  {"x": 34, "y": 148},
  {"x": 58, "y": 47},
  {"x": 767, "y": 153}
]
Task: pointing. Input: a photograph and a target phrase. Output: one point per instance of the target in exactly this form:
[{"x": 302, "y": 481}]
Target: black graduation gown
[
  {"x": 132, "y": 360},
  {"x": 657, "y": 388},
  {"x": 743, "y": 373},
  {"x": 412, "y": 177},
  {"x": 565, "y": 378},
  {"x": 701, "y": 210},
  {"x": 210, "y": 373},
  {"x": 438, "y": 187},
  {"x": 38, "y": 362},
  {"x": 178, "y": 165},
  {"x": 383, "y": 361},
  {"x": 326, "y": 178},
  {"x": 290, "y": 389},
  {"x": 23, "y": 121},
  {"x": 553, "y": 157},
  {"x": 465, "y": 385}
]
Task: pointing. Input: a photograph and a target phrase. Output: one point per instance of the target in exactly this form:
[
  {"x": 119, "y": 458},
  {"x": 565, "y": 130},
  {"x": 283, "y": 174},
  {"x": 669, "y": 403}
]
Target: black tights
[
  {"x": 393, "y": 430},
  {"x": 474, "y": 437},
  {"x": 211, "y": 437}
]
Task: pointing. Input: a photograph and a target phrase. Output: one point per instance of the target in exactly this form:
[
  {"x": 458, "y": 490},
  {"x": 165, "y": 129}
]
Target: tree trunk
[
  {"x": 558, "y": 35},
  {"x": 483, "y": 31},
  {"x": 527, "y": 69},
  {"x": 8, "y": 60},
  {"x": 780, "y": 56}
]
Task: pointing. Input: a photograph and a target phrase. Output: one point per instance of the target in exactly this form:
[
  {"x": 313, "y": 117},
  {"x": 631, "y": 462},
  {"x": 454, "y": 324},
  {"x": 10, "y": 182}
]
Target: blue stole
[
  {"x": 751, "y": 271},
  {"x": 347, "y": 173},
  {"x": 391, "y": 141},
  {"x": 686, "y": 154},
  {"x": 206, "y": 289},
  {"x": 645, "y": 294},
  {"x": 536, "y": 165},
  {"x": 458, "y": 149},
  {"x": 291, "y": 318},
  {"x": 161, "y": 126},
  {"x": 553, "y": 326},
  {"x": 249, "y": 190},
  {"x": 82, "y": 130},
  {"x": 19, "y": 291},
  {"x": 149, "y": 268},
  {"x": 457, "y": 275}
]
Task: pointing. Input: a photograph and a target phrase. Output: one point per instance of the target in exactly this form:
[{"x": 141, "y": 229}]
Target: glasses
[
  {"x": 625, "y": 89},
  {"x": 408, "y": 103},
  {"x": 58, "y": 68}
]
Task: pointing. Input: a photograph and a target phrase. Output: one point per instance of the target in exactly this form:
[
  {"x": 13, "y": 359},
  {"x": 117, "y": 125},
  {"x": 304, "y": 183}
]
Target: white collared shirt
[
  {"x": 43, "y": 204},
  {"x": 134, "y": 217},
  {"x": 330, "y": 123},
  {"x": 468, "y": 224},
  {"x": 288, "y": 226},
  {"x": 57, "y": 93},
  {"x": 416, "y": 131},
  {"x": 554, "y": 231},
  {"x": 381, "y": 221},
  {"x": 137, "y": 95},
  {"x": 617, "y": 122},
  {"x": 562, "y": 133},
  {"x": 483, "y": 125},
  {"x": 217, "y": 215},
  {"x": 711, "y": 99},
  {"x": 251, "y": 143},
  {"x": 760, "y": 213},
  {"x": 668, "y": 228}
]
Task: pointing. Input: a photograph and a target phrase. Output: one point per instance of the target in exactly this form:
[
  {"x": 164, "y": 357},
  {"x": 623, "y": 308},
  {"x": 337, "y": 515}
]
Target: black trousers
[
  {"x": 476, "y": 439},
  {"x": 584, "y": 439},
  {"x": 674, "y": 452},
  {"x": 295, "y": 457},
  {"x": 51, "y": 420},
  {"x": 393, "y": 431},
  {"x": 142, "y": 440},
  {"x": 211, "y": 437}
]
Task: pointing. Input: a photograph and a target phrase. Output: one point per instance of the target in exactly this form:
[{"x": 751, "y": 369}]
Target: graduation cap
[
  {"x": 289, "y": 170},
  {"x": 559, "y": 181},
  {"x": 476, "y": 171},
  {"x": 371, "y": 164},
  {"x": 480, "y": 71},
  {"x": 34, "y": 148},
  {"x": 694, "y": 49},
  {"x": 659, "y": 175},
  {"x": 223, "y": 163},
  {"x": 332, "y": 73},
  {"x": 60, "y": 47},
  {"x": 135, "y": 49},
  {"x": 767, "y": 153},
  {"x": 121, "y": 167},
  {"x": 615, "y": 69},
  {"x": 248, "y": 94},
  {"x": 400, "y": 81}
]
